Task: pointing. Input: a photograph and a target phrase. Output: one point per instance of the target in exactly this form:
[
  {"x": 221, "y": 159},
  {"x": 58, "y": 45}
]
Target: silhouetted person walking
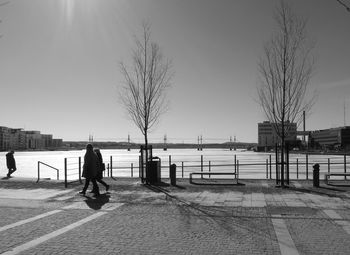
[
  {"x": 101, "y": 168},
  {"x": 90, "y": 169},
  {"x": 11, "y": 163}
]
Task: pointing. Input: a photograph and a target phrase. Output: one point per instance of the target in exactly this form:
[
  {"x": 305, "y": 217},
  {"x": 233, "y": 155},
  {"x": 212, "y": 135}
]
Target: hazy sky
[{"x": 59, "y": 64}]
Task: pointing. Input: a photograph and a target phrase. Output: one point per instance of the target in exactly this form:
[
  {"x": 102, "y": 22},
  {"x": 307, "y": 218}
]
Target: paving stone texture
[{"x": 251, "y": 217}]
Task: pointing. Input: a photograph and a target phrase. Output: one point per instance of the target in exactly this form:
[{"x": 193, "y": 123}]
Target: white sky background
[{"x": 59, "y": 65}]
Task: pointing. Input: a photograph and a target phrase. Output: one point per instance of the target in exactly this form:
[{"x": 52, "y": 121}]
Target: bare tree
[
  {"x": 285, "y": 71},
  {"x": 345, "y": 5},
  {"x": 146, "y": 83},
  {"x": 2, "y": 4}
]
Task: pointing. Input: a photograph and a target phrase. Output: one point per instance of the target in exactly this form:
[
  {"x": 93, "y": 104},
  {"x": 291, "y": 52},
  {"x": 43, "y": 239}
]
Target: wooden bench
[
  {"x": 213, "y": 173},
  {"x": 328, "y": 175}
]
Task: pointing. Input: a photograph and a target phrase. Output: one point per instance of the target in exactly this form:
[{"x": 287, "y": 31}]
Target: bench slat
[
  {"x": 213, "y": 173},
  {"x": 338, "y": 174},
  {"x": 328, "y": 175}
]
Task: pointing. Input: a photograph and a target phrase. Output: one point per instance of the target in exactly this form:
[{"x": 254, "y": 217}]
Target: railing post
[
  {"x": 235, "y": 163},
  {"x": 111, "y": 164},
  {"x": 329, "y": 165},
  {"x": 307, "y": 166},
  {"x": 79, "y": 170},
  {"x": 345, "y": 165},
  {"x": 202, "y": 165},
  {"x": 287, "y": 163},
  {"x": 169, "y": 165},
  {"x": 182, "y": 169},
  {"x": 132, "y": 170},
  {"x": 65, "y": 173},
  {"x": 237, "y": 169},
  {"x": 209, "y": 168},
  {"x": 38, "y": 171},
  {"x": 270, "y": 166},
  {"x": 276, "y": 162},
  {"x": 297, "y": 168},
  {"x": 140, "y": 169},
  {"x": 267, "y": 169}
]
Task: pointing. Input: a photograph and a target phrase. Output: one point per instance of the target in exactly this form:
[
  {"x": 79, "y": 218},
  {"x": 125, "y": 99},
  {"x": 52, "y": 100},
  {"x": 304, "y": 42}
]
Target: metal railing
[
  {"x": 72, "y": 167},
  {"x": 263, "y": 168},
  {"x": 299, "y": 167},
  {"x": 54, "y": 168}
]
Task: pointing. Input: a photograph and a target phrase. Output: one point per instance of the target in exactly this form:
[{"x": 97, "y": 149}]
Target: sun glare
[
  {"x": 68, "y": 10},
  {"x": 71, "y": 8}
]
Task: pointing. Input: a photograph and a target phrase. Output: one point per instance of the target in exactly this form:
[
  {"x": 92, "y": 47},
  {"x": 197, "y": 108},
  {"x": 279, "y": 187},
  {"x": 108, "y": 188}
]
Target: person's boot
[{"x": 96, "y": 193}]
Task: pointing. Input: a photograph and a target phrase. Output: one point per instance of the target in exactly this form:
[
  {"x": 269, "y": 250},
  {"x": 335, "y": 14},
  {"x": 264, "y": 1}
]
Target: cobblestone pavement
[{"x": 252, "y": 217}]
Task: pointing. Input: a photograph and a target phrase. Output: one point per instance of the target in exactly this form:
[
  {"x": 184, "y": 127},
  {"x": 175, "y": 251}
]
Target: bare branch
[
  {"x": 146, "y": 82},
  {"x": 347, "y": 7},
  {"x": 285, "y": 69}
]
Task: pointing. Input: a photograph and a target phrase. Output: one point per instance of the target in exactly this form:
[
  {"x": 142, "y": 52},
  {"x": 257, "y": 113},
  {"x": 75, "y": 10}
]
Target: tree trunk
[
  {"x": 282, "y": 160},
  {"x": 146, "y": 145}
]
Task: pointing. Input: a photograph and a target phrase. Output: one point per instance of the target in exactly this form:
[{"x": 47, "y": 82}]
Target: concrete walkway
[{"x": 253, "y": 217}]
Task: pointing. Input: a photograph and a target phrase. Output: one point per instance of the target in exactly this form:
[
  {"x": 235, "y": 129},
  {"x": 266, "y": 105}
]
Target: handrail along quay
[
  {"x": 299, "y": 166},
  {"x": 54, "y": 168},
  {"x": 72, "y": 167}
]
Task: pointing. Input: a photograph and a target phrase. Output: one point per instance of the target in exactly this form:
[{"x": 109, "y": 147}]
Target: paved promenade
[{"x": 252, "y": 217}]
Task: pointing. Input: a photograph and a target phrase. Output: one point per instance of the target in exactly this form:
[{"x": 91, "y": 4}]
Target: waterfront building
[
  {"x": 268, "y": 137},
  {"x": 34, "y": 140},
  {"x": 332, "y": 138},
  {"x": 19, "y": 139},
  {"x": 57, "y": 143},
  {"x": 47, "y": 140},
  {"x": 4, "y": 138}
]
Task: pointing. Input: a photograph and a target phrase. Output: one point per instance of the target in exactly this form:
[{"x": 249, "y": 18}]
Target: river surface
[{"x": 125, "y": 163}]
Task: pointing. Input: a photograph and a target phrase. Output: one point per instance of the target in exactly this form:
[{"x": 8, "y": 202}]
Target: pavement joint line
[
  {"x": 51, "y": 235},
  {"x": 32, "y": 194},
  {"x": 21, "y": 222},
  {"x": 63, "y": 198},
  {"x": 284, "y": 238},
  {"x": 82, "y": 205},
  {"x": 338, "y": 219}
]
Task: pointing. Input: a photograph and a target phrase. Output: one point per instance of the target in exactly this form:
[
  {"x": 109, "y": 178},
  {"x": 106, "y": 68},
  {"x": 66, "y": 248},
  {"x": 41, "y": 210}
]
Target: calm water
[{"x": 252, "y": 164}]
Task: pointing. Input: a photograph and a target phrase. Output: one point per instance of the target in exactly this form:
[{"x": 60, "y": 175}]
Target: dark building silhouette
[
  {"x": 267, "y": 135},
  {"x": 332, "y": 138}
]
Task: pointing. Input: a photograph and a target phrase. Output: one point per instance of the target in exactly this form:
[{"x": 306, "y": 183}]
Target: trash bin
[
  {"x": 173, "y": 174},
  {"x": 316, "y": 175},
  {"x": 153, "y": 171}
]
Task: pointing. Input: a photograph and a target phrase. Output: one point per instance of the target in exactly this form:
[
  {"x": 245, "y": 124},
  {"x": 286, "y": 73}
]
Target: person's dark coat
[
  {"x": 101, "y": 166},
  {"x": 10, "y": 161},
  {"x": 90, "y": 167}
]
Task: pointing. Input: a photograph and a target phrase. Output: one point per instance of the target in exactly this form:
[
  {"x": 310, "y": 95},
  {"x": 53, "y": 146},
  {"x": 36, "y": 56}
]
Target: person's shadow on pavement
[{"x": 98, "y": 202}]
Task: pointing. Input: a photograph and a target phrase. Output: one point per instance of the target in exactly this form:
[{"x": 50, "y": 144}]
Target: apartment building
[
  {"x": 34, "y": 140},
  {"x": 19, "y": 139},
  {"x": 4, "y": 138}
]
